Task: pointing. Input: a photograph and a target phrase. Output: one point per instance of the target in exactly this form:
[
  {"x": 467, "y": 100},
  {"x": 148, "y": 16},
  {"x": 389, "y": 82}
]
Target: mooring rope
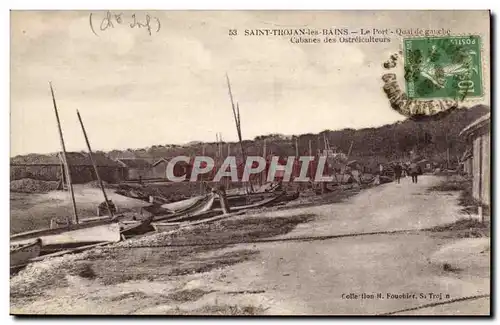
[{"x": 267, "y": 240}]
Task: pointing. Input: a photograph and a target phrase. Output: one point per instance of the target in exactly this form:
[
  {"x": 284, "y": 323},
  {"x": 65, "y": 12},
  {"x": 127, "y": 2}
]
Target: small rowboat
[
  {"x": 71, "y": 236},
  {"x": 168, "y": 226},
  {"x": 21, "y": 254}
]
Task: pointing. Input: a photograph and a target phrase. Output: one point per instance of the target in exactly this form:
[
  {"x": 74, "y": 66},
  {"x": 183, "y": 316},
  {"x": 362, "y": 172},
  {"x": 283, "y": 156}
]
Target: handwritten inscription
[{"x": 112, "y": 20}]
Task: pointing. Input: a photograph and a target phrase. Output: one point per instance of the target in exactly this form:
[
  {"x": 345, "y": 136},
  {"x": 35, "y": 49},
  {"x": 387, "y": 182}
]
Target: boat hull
[
  {"x": 22, "y": 254},
  {"x": 200, "y": 206},
  {"x": 138, "y": 228},
  {"x": 82, "y": 234},
  {"x": 96, "y": 234}
]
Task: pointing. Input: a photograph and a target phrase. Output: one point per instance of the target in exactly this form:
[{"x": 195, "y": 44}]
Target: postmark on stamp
[{"x": 443, "y": 67}]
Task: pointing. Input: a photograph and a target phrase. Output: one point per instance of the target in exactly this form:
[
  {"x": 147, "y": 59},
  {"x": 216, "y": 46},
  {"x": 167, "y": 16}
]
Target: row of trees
[{"x": 433, "y": 139}]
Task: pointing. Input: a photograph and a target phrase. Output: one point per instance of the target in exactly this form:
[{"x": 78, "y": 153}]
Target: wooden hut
[
  {"x": 181, "y": 168},
  {"x": 50, "y": 167},
  {"x": 466, "y": 162},
  {"x": 137, "y": 168},
  {"x": 477, "y": 135}
]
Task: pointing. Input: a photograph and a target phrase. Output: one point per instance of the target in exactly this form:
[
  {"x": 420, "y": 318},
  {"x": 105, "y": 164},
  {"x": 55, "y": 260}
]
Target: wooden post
[
  {"x": 310, "y": 155},
  {"x": 95, "y": 166},
  {"x": 318, "y": 145},
  {"x": 202, "y": 188},
  {"x": 220, "y": 145},
  {"x": 217, "y": 142},
  {"x": 63, "y": 173},
  {"x": 448, "y": 157},
  {"x": 228, "y": 181},
  {"x": 65, "y": 157},
  {"x": 323, "y": 187},
  {"x": 264, "y": 155},
  {"x": 350, "y": 149},
  {"x": 218, "y": 157},
  {"x": 223, "y": 200}
]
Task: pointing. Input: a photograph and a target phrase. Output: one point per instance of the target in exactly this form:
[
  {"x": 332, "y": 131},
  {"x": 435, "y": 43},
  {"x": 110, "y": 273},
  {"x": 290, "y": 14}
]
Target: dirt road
[
  {"x": 319, "y": 277},
  {"x": 366, "y": 274}
]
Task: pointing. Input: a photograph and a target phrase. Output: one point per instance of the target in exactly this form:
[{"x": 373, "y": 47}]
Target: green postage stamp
[{"x": 443, "y": 67}]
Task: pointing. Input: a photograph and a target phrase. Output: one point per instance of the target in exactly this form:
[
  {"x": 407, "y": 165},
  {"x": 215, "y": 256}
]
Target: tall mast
[
  {"x": 220, "y": 145},
  {"x": 95, "y": 166},
  {"x": 264, "y": 155},
  {"x": 217, "y": 144},
  {"x": 243, "y": 153},
  {"x": 65, "y": 158},
  {"x": 228, "y": 181},
  {"x": 237, "y": 121},
  {"x": 350, "y": 149},
  {"x": 238, "y": 128}
]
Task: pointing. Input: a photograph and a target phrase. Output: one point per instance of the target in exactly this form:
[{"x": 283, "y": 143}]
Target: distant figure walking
[
  {"x": 398, "y": 170},
  {"x": 405, "y": 170},
  {"x": 414, "y": 172}
]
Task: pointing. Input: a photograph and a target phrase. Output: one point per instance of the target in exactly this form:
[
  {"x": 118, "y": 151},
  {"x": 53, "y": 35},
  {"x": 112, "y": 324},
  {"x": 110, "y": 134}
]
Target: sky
[{"x": 135, "y": 90}]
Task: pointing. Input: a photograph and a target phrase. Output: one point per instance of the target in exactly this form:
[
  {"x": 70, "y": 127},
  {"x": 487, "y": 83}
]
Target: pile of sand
[
  {"x": 29, "y": 185},
  {"x": 37, "y": 277}
]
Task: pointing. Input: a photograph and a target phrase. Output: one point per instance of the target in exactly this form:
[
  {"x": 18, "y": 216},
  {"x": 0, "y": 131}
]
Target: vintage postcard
[{"x": 250, "y": 163}]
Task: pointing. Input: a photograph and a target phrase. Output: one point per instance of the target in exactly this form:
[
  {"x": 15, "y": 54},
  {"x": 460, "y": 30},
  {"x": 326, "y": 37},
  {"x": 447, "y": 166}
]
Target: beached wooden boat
[
  {"x": 208, "y": 212},
  {"x": 136, "y": 228},
  {"x": 185, "y": 205},
  {"x": 168, "y": 226},
  {"x": 72, "y": 236},
  {"x": 20, "y": 254},
  {"x": 200, "y": 206},
  {"x": 259, "y": 204},
  {"x": 235, "y": 200},
  {"x": 61, "y": 252},
  {"x": 197, "y": 216},
  {"x": 76, "y": 233}
]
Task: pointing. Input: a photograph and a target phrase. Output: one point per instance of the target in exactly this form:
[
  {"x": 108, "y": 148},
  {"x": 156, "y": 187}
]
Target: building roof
[
  {"x": 83, "y": 159},
  {"x": 159, "y": 161},
  {"x": 36, "y": 159},
  {"x": 74, "y": 159},
  {"x": 476, "y": 125},
  {"x": 166, "y": 160},
  {"x": 135, "y": 163}
]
